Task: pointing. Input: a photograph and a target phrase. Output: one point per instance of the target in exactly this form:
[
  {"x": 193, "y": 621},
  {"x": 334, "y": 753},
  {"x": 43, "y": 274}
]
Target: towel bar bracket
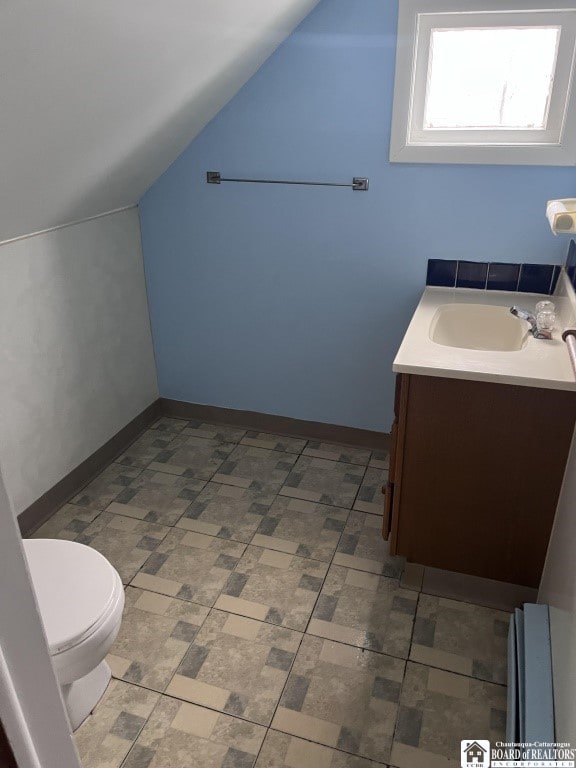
[{"x": 359, "y": 183}]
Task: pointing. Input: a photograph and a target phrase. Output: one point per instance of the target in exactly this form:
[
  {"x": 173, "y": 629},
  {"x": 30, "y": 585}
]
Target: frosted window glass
[{"x": 497, "y": 78}]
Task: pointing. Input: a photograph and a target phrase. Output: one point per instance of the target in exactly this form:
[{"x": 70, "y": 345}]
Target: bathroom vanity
[{"x": 478, "y": 447}]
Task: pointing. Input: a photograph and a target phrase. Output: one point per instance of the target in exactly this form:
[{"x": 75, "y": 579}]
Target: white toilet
[{"x": 80, "y": 597}]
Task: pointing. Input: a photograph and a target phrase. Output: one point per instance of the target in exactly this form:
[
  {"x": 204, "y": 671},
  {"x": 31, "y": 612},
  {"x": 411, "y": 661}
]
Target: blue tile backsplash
[
  {"x": 441, "y": 272},
  {"x": 535, "y": 278},
  {"x": 503, "y": 277},
  {"x": 525, "y": 278},
  {"x": 471, "y": 274}
]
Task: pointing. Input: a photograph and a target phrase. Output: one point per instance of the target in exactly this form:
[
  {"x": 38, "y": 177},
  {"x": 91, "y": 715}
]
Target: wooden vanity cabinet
[{"x": 475, "y": 473}]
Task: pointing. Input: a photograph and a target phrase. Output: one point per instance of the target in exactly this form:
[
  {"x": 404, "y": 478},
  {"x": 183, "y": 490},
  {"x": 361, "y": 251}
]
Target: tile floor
[{"x": 266, "y": 623}]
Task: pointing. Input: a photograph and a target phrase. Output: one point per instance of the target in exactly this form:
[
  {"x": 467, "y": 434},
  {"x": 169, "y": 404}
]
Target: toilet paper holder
[{"x": 561, "y": 215}]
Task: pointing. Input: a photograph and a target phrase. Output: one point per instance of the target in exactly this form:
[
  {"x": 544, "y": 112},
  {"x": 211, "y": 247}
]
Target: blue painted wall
[{"x": 293, "y": 300}]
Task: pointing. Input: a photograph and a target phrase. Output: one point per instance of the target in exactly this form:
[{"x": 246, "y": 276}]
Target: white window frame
[{"x": 410, "y": 143}]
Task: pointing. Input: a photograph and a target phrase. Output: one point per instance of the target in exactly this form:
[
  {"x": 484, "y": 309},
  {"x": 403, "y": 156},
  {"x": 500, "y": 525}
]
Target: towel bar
[
  {"x": 359, "y": 184},
  {"x": 569, "y": 336}
]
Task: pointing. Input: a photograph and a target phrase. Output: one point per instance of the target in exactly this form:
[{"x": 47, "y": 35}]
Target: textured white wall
[
  {"x": 99, "y": 98},
  {"x": 76, "y": 358},
  {"x": 558, "y": 589}
]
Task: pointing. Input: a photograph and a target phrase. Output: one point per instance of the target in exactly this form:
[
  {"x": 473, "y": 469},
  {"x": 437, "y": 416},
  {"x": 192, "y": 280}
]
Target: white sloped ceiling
[{"x": 97, "y": 99}]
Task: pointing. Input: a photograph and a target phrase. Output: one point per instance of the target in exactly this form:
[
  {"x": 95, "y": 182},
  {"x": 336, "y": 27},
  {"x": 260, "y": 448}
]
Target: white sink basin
[{"x": 478, "y": 326}]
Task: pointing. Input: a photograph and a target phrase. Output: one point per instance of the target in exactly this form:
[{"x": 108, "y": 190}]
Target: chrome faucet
[{"x": 523, "y": 314}]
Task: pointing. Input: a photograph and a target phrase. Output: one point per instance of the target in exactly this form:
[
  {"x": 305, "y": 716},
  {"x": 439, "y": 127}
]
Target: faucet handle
[{"x": 546, "y": 319}]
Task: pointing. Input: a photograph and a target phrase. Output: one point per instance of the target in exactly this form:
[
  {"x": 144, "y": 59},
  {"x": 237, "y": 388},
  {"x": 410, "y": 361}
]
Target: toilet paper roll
[{"x": 562, "y": 216}]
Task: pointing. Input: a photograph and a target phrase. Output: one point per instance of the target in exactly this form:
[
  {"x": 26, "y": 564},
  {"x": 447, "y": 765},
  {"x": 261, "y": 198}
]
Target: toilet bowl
[{"x": 80, "y": 598}]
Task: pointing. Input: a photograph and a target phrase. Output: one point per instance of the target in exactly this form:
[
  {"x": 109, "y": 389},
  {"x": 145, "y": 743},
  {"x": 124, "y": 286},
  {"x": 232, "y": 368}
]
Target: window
[{"x": 489, "y": 84}]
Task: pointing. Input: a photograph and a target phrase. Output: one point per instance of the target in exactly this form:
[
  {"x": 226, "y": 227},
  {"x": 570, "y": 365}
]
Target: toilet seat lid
[{"x": 75, "y": 588}]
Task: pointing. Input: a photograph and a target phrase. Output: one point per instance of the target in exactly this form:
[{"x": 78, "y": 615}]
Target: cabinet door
[{"x": 474, "y": 489}]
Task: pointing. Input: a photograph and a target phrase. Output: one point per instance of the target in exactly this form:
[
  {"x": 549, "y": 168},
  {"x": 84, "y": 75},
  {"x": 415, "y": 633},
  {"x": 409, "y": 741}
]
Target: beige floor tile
[
  {"x": 336, "y": 452},
  {"x": 370, "y": 497},
  {"x": 157, "y": 497},
  {"x": 380, "y": 459},
  {"x": 67, "y": 523},
  {"x": 438, "y": 709},
  {"x": 227, "y": 511},
  {"x": 169, "y": 426},
  {"x": 273, "y": 442},
  {"x": 145, "y": 449},
  {"x": 323, "y": 480},
  {"x": 342, "y": 697},
  {"x": 182, "y": 735},
  {"x": 106, "y": 736},
  {"x": 366, "y": 610},
  {"x": 280, "y": 750},
  {"x": 461, "y": 637},
  {"x": 237, "y": 665},
  {"x": 155, "y": 633},
  {"x": 362, "y": 547},
  {"x": 302, "y": 527},
  {"x": 190, "y": 566},
  {"x": 258, "y": 469},
  {"x": 192, "y": 456},
  {"x": 279, "y": 590},
  {"x": 127, "y": 543},
  {"x": 221, "y": 433},
  {"x": 106, "y": 487}
]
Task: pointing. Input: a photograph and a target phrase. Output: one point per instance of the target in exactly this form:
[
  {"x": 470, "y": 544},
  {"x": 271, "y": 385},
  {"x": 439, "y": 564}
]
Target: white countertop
[{"x": 541, "y": 363}]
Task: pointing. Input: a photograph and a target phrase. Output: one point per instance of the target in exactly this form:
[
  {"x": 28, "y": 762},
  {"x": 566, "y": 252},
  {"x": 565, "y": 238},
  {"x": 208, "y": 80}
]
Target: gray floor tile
[
  {"x": 192, "y": 456},
  {"x": 274, "y": 442},
  {"x": 106, "y": 487},
  {"x": 67, "y": 523},
  {"x": 155, "y": 634},
  {"x": 236, "y": 665},
  {"x": 145, "y": 449},
  {"x": 183, "y": 735},
  {"x": 280, "y": 750},
  {"x": 303, "y": 528},
  {"x": 258, "y": 469},
  {"x": 362, "y": 547},
  {"x": 127, "y": 543},
  {"x": 169, "y": 426},
  {"x": 365, "y": 610},
  {"x": 273, "y": 586},
  {"x": 157, "y": 497},
  {"x": 461, "y": 637},
  {"x": 342, "y": 697},
  {"x": 380, "y": 459},
  {"x": 438, "y": 709},
  {"x": 336, "y": 452},
  {"x": 227, "y": 511},
  {"x": 226, "y": 574},
  {"x": 325, "y": 481},
  {"x": 190, "y": 566},
  {"x": 221, "y": 433},
  {"x": 107, "y": 735},
  {"x": 370, "y": 497}
]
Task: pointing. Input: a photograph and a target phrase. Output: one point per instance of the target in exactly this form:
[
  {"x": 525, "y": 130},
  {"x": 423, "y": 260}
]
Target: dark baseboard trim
[
  {"x": 44, "y": 507},
  {"x": 267, "y": 422},
  {"x": 38, "y": 512}
]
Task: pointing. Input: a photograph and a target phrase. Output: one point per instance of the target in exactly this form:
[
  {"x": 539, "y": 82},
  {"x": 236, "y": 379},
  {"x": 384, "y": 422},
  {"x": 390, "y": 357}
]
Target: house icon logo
[{"x": 475, "y": 754}]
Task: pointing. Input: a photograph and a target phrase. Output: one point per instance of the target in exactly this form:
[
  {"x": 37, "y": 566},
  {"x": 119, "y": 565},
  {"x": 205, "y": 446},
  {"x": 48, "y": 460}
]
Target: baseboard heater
[{"x": 530, "y": 715}]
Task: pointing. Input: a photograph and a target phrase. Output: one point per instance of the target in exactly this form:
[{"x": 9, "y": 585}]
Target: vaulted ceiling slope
[{"x": 98, "y": 98}]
